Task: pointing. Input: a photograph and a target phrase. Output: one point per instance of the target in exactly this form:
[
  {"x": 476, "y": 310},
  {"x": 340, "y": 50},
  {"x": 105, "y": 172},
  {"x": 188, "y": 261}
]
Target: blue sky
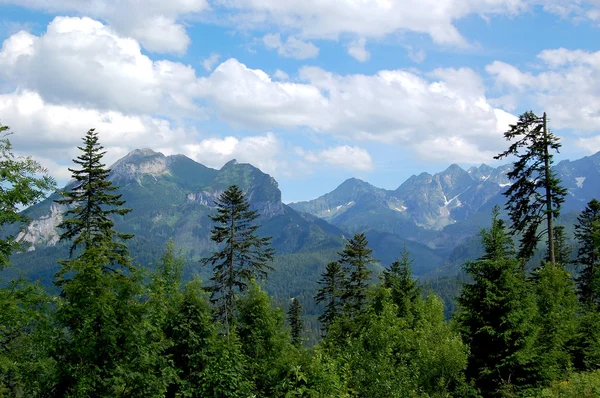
[{"x": 312, "y": 92}]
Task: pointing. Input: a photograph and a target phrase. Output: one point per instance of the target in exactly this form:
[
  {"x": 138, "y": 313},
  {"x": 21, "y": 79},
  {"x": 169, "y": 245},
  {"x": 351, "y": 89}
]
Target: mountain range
[{"x": 436, "y": 217}]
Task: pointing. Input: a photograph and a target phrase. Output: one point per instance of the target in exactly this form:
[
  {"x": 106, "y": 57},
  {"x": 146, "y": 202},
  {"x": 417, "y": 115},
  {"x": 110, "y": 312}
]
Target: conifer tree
[
  {"x": 587, "y": 233},
  {"x": 243, "y": 256},
  {"x": 330, "y": 292},
  {"x": 536, "y": 195},
  {"x": 107, "y": 348},
  {"x": 23, "y": 182},
  {"x": 295, "y": 321},
  {"x": 92, "y": 204},
  {"x": 404, "y": 289},
  {"x": 496, "y": 315},
  {"x": 355, "y": 260}
]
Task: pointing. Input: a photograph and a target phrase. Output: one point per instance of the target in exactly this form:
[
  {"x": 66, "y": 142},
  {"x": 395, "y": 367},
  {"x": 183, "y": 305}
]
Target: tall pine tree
[
  {"x": 92, "y": 205},
  {"x": 330, "y": 293},
  {"x": 587, "y": 233},
  {"x": 355, "y": 260},
  {"x": 243, "y": 254},
  {"x": 536, "y": 194}
]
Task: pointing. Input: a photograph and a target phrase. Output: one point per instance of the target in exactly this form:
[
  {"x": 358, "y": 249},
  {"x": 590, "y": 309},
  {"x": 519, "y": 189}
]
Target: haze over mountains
[{"x": 172, "y": 196}]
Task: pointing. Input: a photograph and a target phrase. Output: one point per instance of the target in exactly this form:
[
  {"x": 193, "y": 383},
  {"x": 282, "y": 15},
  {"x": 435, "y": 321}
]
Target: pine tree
[
  {"x": 587, "y": 233},
  {"x": 295, "y": 321},
  {"x": 355, "y": 260},
  {"x": 88, "y": 222},
  {"x": 536, "y": 195},
  {"x": 562, "y": 248},
  {"x": 496, "y": 315},
  {"x": 107, "y": 348},
  {"x": 331, "y": 293},
  {"x": 244, "y": 255},
  {"x": 23, "y": 182},
  {"x": 404, "y": 289}
]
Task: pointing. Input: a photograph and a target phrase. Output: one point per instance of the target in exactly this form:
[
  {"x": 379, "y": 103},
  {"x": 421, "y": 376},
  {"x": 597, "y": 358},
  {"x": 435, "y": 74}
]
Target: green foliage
[
  {"x": 295, "y": 321},
  {"x": 557, "y": 306},
  {"x": 330, "y": 293},
  {"x": 23, "y": 182},
  {"x": 26, "y": 332},
  {"x": 536, "y": 195},
  {"x": 244, "y": 255},
  {"x": 587, "y": 232},
  {"x": 88, "y": 221},
  {"x": 404, "y": 289},
  {"x": 387, "y": 356},
  {"x": 355, "y": 260},
  {"x": 578, "y": 385},
  {"x": 495, "y": 317},
  {"x": 265, "y": 342}
]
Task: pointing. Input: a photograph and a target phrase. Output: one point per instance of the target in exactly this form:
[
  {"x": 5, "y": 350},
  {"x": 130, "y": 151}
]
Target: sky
[{"x": 310, "y": 91}]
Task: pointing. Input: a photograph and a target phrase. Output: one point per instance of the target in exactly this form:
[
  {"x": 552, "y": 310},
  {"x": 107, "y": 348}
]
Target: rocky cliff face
[{"x": 42, "y": 231}]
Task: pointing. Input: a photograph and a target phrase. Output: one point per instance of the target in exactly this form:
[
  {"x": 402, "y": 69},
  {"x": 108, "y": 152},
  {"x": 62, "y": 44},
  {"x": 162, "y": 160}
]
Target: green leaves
[{"x": 23, "y": 182}]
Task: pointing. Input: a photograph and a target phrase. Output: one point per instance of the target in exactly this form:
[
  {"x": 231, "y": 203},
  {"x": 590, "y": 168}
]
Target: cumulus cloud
[
  {"x": 392, "y": 106},
  {"x": 51, "y": 134},
  {"x": 157, "y": 24},
  {"x": 261, "y": 151},
  {"x": 81, "y": 61},
  {"x": 566, "y": 85},
  {"x": 53, "y": 131},
  {"x": 291, "y": 48},
  {"x": 345, "y": 156}
]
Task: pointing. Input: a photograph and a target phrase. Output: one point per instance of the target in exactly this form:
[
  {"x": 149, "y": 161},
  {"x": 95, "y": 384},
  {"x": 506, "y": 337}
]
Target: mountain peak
[{"x": 138, "y": 163}]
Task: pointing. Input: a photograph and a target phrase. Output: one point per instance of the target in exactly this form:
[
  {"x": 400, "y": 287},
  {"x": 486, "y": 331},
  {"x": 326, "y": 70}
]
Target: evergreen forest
[{"x": 526, "y": 322}]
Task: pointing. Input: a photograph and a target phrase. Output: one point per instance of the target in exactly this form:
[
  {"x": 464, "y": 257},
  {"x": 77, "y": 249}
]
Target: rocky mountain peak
[{"x": 138, "y": 163}]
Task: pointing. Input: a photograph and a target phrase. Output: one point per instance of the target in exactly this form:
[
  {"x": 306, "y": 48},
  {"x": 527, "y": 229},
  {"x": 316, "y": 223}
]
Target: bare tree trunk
[{"x": 549, "y": 214}]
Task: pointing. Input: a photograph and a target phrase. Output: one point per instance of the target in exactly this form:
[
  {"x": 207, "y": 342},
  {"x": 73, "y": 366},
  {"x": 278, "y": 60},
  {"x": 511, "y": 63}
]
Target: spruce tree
[
  {"x": 587, "y": 233},
  {"x": 23, "y": 182},
  {"x": 107, "y": 347},
  {"x": 92, "y": 205},
  {"x": 496, "y": 315},
  {"x": 403, "y": 288},
  {"x": 355, "y": 260},
  {"x": 330, "y": 293},
  {"x": 243, "y": 255},
  {"x": 536, "y": 195},
  {"x": 295, "y": 321}
]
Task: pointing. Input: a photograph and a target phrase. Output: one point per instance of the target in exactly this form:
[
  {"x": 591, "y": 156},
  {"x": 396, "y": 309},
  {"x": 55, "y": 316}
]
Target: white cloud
[
  {"x": 345, "y": 156},
  {"x": 81, "y": 61},
  {"x": 157, "y": 24},
  {"x": 393, "y": 106},
  {"x": 566, "y": 85},
  {"x": 357, "y": 50},
  {"x": 330, "y": 19},
  {"x": 209, "y": 63},
  {"x": 260, "y": 151},
  {"x": 291, "y": 48},
  {"x": 50, "y": 131}
]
